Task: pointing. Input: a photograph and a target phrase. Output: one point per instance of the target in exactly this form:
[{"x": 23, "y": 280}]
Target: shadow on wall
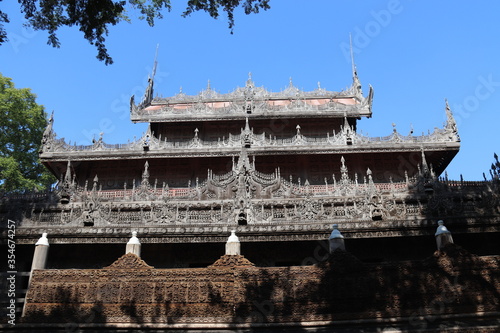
[{"x": 450, "y": 287}]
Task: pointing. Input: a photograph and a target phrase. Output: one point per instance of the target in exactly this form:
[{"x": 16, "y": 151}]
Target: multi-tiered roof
[
  {"x": 291, "y": 162},
  {"x": 209, "y": 129}
]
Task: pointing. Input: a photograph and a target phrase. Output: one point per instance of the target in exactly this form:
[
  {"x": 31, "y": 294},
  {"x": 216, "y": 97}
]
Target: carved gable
[{"x": 129, "y": 261}]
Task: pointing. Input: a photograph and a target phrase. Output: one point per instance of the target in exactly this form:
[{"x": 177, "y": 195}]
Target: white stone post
[
  {"x": 443, "y": 235},
  {"x": 336, "y": 240},
  {"x": 233, "y": 244},
  {"x": 133, "y": 245},
  {"x": 39, "y": 257},
  {"x": 41, "y": 253}
]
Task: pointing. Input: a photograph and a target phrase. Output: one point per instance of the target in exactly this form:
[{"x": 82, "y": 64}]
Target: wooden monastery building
[{"x": 332, "y": 229}]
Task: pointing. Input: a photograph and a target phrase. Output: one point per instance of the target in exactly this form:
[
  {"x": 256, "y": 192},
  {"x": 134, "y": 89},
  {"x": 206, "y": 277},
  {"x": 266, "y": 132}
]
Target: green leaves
[
  {"x": 22, "y": 122},
  {"x": 212, "y": 7},
  {"x": 93, "y": 17}
]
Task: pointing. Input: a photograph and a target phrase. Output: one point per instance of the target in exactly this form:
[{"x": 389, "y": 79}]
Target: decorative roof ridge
[{"x": 253, "y": 92}]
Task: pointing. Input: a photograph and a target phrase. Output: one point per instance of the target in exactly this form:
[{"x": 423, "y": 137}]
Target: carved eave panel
[
  {"x": 189, "y": 117},
  {"x": 275, "y": 232},
  {"x": 264, "y": 150}
]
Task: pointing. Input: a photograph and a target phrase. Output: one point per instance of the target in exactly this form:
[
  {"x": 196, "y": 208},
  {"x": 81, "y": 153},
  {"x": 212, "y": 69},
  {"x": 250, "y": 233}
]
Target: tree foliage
[
  {"x": 495, "y": 168},
  {"x": 22, "y": 122},
  {"x": 93, "y": 17}
]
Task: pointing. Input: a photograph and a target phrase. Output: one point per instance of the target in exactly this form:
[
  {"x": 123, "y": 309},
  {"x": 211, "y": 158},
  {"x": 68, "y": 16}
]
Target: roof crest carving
[{"x": 346, "y": 136}]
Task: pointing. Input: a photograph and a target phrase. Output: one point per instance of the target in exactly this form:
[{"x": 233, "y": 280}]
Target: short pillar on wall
[
  {"x": 233, "y": 244},
  {"x": 39, "y": 257},
  {"x": 41, "y": 253},
  {"x": 133, "y": 245},
  {"x": 336, "y": 240},
  {"x": 443, "y": 235}
]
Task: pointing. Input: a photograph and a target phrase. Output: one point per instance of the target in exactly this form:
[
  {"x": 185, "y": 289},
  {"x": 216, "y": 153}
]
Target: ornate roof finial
[
  {"x": 94, "y": 186},
  {"x": 67, "y": 176},
  {"x": 451, "y": 124},
  {"x": 369, "y": 173},
  {"x": 247, "y": 125},
  {"x": 48, "y": 133},
  {"x": 145, "y": 176},
  {"x": 249, "y": 83},
  {"x": 425, "y": 167},
  {"x": 355, "y": 80},
  {"x": 148, "y": 94}
]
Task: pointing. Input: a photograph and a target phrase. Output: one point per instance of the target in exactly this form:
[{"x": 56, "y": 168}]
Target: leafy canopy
[
  {"x": 93, "y": 17},
  {"x": 22, "y": 122}
]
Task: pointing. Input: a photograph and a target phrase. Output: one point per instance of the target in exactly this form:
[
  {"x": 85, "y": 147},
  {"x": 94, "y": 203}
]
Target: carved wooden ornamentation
[
  {"x": 342, "y": 288},
  {"x": 129, "y": 261},
  {"x": 232, "y": 261}
]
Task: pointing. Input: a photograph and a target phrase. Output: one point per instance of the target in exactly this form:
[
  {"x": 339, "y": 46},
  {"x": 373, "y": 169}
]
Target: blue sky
[{"x": 414, "y": 53}]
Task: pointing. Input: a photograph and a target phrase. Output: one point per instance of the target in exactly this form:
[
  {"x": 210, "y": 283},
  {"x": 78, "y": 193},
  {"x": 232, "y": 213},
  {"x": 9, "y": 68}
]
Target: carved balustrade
[{"x": 257, "y": 140}]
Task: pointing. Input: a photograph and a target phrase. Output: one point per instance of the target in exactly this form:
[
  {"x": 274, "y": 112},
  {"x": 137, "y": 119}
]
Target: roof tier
[
  {"x": 254, "y": 103},
  {"x": 345, "y": 141}
]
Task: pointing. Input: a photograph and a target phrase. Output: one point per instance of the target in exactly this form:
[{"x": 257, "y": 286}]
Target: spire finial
[
  {"x": 352, "y": 57},
  {"x": 156, "y": 62},
  {"x": 355, "y": 80},
  {"x": 247, "y": 125},
  {"x": 67, "y": 176},
  {"x": 148, "y": 94},
  {"x": 451, "y": 124},
  {"x": 249, "y": 83}
]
